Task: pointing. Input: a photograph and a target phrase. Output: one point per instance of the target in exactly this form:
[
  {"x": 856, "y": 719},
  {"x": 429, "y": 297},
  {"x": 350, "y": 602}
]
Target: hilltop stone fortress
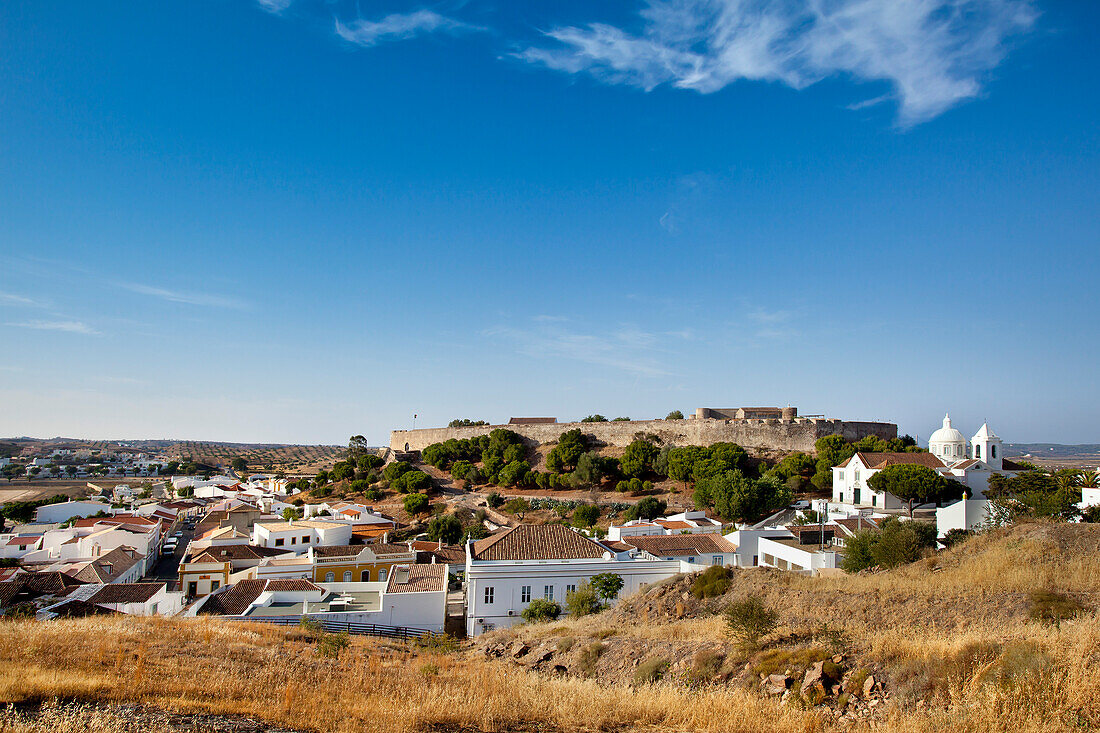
[{"x": 757, "y": 429}]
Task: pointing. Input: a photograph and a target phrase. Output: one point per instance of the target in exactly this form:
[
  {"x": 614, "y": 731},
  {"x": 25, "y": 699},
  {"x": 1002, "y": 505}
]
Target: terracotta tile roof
[
  {"x": 33, "y": 585},
  {"x": 855, "y": 524},
  {"x": 882, "y": 460},
  {"x": 417, "y": 578},
  {"x": 126, "y": 593},
  {"x": 78, "y": 609},
  {"x": 532, "y": 420},
  {"x": 616, "y": 546},
  {"x": 117, "y": 519},
  {"x": 450, "y": 554},
  {"x": 235, "y": 599},
  {"x": 537, "y": 542},
  {"x": 227, "y": 553},
  {"x": 672, "y": 523},
  {"x": 23, "y": 541},
  {"x": 106, "y": 568},
  {"x": 1008, "y": 465},
  {"x": 965, "y": 464},
  {"x": 681, "y": 544}
]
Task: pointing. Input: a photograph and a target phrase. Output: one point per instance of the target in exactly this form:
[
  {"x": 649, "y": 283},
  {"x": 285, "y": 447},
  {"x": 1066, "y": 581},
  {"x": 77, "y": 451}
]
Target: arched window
[
  {"x": 977, "y": 451},
  {"x": 992, "y": 451},
  {"x": 381, "y": 575},
  {"x": 365, "y": 576},
  {"x": 347, "y": 576},
  {"x": 330, "y": 577}
]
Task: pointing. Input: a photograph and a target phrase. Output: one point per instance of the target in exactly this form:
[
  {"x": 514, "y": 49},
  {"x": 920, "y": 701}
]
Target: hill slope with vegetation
[{"x": 998, "y": 633}]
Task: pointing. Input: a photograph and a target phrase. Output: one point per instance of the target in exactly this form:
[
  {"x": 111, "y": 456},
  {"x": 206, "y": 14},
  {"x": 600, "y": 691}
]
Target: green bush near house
[{"x": 540, "y": 610}]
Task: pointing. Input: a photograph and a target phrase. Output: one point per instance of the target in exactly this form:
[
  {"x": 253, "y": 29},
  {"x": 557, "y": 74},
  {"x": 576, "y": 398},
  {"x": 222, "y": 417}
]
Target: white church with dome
[{"x": 949, "y": 454}]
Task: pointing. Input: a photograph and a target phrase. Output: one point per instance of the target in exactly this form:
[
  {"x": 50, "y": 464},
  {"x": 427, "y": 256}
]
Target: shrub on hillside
[
  {"x": 895, "y": 543},
  {"x": 583, "y": 601},
  {"x": 650, "y": 671},
  {"x": 590, "y": 655},
  {"x": 540, "y": 610},
  {"x": 415, "y": 504},
  {"x": 586, "y": 515},
  {"x": 712, "y": 582},
  {"x": 749, "y": 621},
  {"x": 1052, "y": 608}
]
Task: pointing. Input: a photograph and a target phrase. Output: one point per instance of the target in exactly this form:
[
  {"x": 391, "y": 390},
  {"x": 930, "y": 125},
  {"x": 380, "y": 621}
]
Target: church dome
[{"x": 947, "y": 434}]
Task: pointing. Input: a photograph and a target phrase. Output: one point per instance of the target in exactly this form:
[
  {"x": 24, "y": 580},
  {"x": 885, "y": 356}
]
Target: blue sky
[{"x": 294, "y": 220}]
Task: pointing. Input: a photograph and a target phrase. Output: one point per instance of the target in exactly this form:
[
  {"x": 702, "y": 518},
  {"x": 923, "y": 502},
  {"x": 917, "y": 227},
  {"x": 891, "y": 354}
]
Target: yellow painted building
[{"x": 357, "y": 563}]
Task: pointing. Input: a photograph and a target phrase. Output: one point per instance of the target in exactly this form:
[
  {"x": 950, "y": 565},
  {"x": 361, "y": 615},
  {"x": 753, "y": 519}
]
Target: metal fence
[{"x": 350, "y": 627}]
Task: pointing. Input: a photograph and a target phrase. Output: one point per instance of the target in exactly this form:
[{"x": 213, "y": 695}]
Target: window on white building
[
  {"x": 992, "y": 451},
  {"x": 488, "y": 594},
  {"x": 840, "y": 475},
  {"x": 548, "y": 592},
  {"x": 347, "y": 576},
  {"x": 978, "y": 452},
  {"x": 716, "y": 560},
  {"x": 570, "y": 589},
  {"x": 279, "y": 542},
  {"x": 525, "y": 594},
  {"x": 855, "y": 475}
]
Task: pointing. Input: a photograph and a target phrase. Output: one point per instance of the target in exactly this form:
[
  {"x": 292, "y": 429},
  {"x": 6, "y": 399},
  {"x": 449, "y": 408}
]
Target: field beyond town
[{"x": 998, "y": 633}]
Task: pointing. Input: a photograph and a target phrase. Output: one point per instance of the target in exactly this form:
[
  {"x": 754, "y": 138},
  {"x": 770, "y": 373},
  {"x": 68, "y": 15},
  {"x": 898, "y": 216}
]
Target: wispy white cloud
[
  {"x": 275, "y": 6},
  {"x": 629, "y": 349},
  {"x": 400, "y": 26},
  {"x": 934, "y": 53},
  {"x": 13, "y": 299},
  {"x": 544, "y": 318},
  {"x": 66, "y": 326},
  {"x": 190, "y": 298}
]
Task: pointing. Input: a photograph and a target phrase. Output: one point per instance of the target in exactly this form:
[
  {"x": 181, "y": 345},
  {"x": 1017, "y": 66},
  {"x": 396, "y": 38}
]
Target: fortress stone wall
[{"x": 755, "y": 435}]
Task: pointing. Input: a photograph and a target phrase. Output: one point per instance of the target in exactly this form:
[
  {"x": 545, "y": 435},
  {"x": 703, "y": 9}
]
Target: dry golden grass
[{"x": 958, "y": 656}]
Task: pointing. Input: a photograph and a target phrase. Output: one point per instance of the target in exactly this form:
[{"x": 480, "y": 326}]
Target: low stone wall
[{"x": 799, "y": 434}]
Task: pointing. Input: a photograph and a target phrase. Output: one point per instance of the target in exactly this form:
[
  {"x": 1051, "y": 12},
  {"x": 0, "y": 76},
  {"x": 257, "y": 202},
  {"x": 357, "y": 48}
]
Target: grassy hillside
[{"x": 950, "y": 639}]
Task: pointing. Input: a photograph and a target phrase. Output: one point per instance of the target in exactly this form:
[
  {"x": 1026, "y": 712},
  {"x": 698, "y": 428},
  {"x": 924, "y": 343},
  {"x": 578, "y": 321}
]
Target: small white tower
[
  {"x": 947, "y": 443},
  {"x": 987, "y": 447}
]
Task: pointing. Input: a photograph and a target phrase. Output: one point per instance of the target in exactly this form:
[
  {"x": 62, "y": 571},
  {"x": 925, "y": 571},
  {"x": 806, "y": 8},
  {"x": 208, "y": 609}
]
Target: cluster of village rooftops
[{"x": 338, "y": 564}]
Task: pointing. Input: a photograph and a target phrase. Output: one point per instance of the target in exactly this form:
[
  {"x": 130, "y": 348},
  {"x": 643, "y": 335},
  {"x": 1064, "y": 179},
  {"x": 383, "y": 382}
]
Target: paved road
[{"x": 167, "y": 568}]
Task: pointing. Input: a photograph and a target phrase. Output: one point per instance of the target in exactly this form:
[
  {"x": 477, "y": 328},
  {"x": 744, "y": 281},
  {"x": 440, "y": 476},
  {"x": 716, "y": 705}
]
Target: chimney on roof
[
  {"x": 385, "y": 538},
  {"x": 440, "y": 545}
]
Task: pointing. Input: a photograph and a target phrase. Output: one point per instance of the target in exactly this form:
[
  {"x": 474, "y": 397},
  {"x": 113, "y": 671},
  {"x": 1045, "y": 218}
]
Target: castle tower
[
  {"x": 947, "y": 443},
  {"x": 987, "y": 447}
]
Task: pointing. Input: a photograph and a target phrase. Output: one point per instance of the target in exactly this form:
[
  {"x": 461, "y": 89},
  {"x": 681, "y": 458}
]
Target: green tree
[
  {"x": 831, "y": 450},
  {"x": 674, "y": 415},
  {"x": 594, "y": 418},
  {"x": 415, "y": 504},
  {"x": 909, "y": 482},
  {"x": 395, "y": 469},
  {"x": 582, "y": 601},
  {"x": 446, "y": 528},
  {"x": 586, "y": 515},
  {"x": 290, "y": 513},
  {"x": 563, "y": 457},
  {"x": 648, "y": 508},
  {"x": 357, "y": 447},
  {"x": 593, "y": 469},
  {"x": 412, "y": 482},
  {"x": 465, "y": 423},
  {"x": 749, "y": 621},
  {"x": 607, "y": 586},
  {"x": 493, "y": 500},
  {"x": 681, "y": 461},
  {"x": 638, "y": 458},
  {"x": 517, "y": 506},
  {"x": 541, "y": 610},
  {"x": 239, "y": 464},
  {"x": 514, "y": 472}
]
